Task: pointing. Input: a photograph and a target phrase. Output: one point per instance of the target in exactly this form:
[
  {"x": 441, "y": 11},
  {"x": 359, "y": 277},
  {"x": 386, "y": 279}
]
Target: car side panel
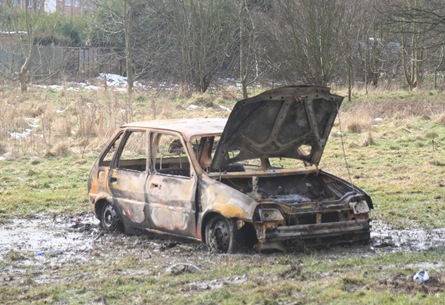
[{"x": 216, "y": 197}]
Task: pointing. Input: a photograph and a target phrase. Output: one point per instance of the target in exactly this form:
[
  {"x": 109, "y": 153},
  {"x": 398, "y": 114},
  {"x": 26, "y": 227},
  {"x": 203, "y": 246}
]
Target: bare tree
[
  {"x": 308, "y": 37},
  {"x": 369, "y": 34},
  {"x": 419, "y": 26},
  {"x": 349, "y": 45},
  {"x": 121, "y": 24},
  {"x": 247, "y": 50},
  {"x": 203, "y": 32},
  {"x": 21, "y": 28}
]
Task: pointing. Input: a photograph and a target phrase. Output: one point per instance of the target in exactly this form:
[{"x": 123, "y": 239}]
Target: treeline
[{"x": 347, "y": 42}]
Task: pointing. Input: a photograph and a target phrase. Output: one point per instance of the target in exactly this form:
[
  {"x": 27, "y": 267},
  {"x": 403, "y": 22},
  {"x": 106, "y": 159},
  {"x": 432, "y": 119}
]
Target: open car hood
[{"x": 287, "y": 122}]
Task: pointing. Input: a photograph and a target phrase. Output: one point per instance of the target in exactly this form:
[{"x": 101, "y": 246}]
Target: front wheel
[
  {"x": 222, "y": 235},
  {"x": 110, "y": 220}
]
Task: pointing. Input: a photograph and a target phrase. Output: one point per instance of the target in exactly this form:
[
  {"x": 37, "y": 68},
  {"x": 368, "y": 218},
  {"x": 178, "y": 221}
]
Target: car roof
[{"x": 188, "y": 127}]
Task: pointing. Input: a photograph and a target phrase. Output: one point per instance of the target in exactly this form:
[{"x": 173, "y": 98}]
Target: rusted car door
[
  {"x": 171, "y": 187},
  {"x": 128, "y": 175}
]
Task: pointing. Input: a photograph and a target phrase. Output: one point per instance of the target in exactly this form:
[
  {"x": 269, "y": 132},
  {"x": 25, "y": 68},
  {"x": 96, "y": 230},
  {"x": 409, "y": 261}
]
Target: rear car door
[{"x": 128, "y": 175}]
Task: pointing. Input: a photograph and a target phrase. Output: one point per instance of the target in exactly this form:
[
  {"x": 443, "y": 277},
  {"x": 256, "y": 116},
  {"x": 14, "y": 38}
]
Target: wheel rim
[
  {"x": 109, "y": 217},
  {"x": 220, "y": 235}
]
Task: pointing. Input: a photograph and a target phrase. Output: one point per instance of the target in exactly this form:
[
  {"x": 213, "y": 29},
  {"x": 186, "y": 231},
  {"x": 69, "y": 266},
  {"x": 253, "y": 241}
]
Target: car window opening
[
  {"x": 170, "y": 157},
  {"x": 134, "y": 153}
]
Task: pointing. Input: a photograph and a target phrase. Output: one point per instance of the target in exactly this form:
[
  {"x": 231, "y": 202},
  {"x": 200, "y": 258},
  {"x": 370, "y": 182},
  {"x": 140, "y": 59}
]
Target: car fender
[
  {"x": 217, "y": 197},
  {"x": 95, "y": 198}
]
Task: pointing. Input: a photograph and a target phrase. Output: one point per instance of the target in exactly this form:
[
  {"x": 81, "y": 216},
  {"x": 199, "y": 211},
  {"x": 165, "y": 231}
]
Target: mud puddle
[
  {"x": 41, "y": 250},
  {"x": 77, "y": 238},
  {"x": 48, "y": 236},
  {"x": 73, "y": 239},
  {"x": 407, "y": 239}
]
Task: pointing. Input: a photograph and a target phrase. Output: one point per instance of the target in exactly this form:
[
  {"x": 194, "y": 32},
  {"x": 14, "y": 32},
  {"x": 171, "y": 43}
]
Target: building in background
[{"x": 66, "y": 7}]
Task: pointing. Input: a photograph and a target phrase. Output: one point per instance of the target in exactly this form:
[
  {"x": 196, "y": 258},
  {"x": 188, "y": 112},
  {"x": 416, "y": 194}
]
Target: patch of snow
[
  {"x": 91, "y": 87},
  {"x": 54, "y": 87},
  {"x": 113, "y": 79},
  {"x": 21, "y": 135},
  {"x": 2, "y": 158},
  {"x": 378, "y": 119},
  {"x": 34, "y": 124},
  {"x": 224, "y": 107},
  {"x": 13, "y": 32},
  {"x": 192, "y": 106}
]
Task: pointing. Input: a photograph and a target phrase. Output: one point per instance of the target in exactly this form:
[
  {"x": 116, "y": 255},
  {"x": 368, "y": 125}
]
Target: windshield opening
[{"x": 204, "y": 148}]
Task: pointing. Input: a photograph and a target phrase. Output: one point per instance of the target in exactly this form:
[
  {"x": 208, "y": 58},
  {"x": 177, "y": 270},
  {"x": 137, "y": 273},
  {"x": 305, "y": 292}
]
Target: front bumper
[{"x": 346, "y": 231}]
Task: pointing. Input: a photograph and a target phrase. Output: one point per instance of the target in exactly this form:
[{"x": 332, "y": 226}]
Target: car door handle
[
  {"x": 155, "y": 185},
  {"x": 113, "y": 179}
]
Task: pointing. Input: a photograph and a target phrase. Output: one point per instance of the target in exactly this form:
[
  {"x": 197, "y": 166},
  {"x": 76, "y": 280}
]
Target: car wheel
[
  {"x": 110, "y": 220},
  {"x": 221, "y": 235}
]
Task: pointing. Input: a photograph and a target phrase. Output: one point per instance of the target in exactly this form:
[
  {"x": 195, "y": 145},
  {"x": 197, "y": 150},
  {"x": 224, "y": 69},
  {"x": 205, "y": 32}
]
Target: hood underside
[{"x": 287, "y": 122}]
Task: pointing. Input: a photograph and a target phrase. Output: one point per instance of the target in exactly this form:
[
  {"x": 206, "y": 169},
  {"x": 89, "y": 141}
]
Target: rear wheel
[
  {"x": 222, "y": 235},
  {"x": 110, "y": 220}
]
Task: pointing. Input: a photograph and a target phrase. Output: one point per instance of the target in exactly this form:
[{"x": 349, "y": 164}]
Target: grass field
[{"x": 394, "y": 145}]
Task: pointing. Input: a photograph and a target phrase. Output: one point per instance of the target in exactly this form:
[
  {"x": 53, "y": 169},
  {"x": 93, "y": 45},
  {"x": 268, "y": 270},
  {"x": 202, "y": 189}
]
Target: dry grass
[
  {"x": 441, "y": 119},
  {"x": 2, "y": 148},
  {"x": 44, "y": 121},
  {"x": 400, "y": 107},
  {"x": 358, "y": 120},
  {"x": 60, "y": 150},
  {"x": 230, "y": 93},
  {"x": 201, "y": 99},
  {"x": 368, "y": 140},
  {"x": 84, "y": 119}
]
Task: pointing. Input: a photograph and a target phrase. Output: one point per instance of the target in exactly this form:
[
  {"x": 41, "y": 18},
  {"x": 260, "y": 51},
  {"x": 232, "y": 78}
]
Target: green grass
[
  {"x": 44, "y": 185},
  {"x": 406, "y": 180},
  {"x": 273, "y": 279}
]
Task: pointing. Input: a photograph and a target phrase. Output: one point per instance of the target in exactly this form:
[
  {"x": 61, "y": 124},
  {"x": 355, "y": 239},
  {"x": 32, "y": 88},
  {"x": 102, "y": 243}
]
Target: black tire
[
  {"x": 365, "y": 238},
  {"x": 110, "y": 220},
  {"x": 222, "y": 235}
]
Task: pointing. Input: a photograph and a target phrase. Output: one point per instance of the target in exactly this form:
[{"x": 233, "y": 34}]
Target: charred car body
[{"x": 250, "y": 180}]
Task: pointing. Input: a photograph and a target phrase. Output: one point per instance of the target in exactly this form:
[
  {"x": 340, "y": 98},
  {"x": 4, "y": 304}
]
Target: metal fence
[{"x": 56, "y": 61}]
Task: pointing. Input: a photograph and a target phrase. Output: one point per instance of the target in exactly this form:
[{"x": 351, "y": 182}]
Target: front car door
[{"x": 171, "y": 187}]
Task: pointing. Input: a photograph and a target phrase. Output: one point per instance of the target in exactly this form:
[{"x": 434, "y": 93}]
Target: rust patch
[{"x": 229, "y": 211}]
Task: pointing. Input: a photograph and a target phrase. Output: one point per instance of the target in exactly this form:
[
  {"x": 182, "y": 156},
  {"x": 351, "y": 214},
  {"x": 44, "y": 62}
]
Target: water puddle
[
  {"x": 402, "y": 240},
  {"x": 65, "y": 237}
]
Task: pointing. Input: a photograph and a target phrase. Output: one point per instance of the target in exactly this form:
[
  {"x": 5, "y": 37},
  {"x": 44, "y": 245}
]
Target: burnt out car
[{"x": 250, "y": 180}]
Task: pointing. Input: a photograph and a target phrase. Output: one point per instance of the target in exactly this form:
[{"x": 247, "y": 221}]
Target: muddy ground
[
  {"x": 77, "y": 238},
  {"x": 44, "y": 244}
]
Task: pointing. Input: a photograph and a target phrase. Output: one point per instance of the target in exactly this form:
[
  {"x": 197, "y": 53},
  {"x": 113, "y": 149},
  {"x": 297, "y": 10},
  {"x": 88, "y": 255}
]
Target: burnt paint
[{"x": 172, "y": 203}]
